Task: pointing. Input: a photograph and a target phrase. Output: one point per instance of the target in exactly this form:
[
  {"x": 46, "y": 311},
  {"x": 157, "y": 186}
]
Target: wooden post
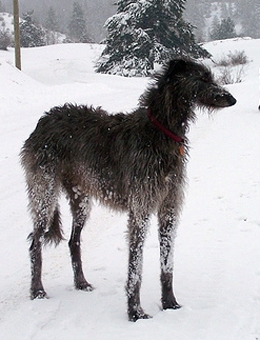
[{"x": 17, "y": 34}]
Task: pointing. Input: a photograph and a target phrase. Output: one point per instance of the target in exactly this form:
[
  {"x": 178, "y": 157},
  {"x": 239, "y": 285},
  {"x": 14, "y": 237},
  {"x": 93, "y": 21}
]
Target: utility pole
[{"x": 17, "y": 34}]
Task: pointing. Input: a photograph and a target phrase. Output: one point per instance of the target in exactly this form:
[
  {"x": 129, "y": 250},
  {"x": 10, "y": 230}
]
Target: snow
[{"x": 217, "y": 255}]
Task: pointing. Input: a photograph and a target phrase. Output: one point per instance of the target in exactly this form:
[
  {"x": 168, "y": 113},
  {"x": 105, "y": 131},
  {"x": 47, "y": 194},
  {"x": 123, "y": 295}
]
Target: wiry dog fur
[{"x": 126, "y": 162}]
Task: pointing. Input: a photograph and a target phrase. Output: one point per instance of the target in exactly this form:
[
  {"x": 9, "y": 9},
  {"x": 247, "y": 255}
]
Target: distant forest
[
  {"x": 209, "y": 17},
  {"x": 96, "y": 13}
]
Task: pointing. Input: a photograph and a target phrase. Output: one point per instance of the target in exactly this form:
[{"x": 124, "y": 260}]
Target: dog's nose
[
  {"x": 224, "y": 99},
  {"x": 231, "y": 100}
]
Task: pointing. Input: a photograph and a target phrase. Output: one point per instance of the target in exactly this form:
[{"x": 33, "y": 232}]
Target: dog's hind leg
[
  {"x": 167, "y": 232},
  {"x": 137, "y": 228},
  {"x": 43, "y": 196},
  {"x": 80, "y": 208}
]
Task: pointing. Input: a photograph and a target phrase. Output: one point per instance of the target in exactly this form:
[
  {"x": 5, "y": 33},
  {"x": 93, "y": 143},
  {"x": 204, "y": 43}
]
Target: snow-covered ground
[{"x": 217, "y": 256}]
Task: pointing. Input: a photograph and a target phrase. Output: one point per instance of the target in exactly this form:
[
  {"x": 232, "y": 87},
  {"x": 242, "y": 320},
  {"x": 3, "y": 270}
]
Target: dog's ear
[{"x": 177, "y": 66}]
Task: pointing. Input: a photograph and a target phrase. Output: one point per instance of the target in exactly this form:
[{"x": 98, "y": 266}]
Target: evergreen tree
[
  {"x": 31, "y": 34},
  {"x": 128, "y": 50},
  {"x": 224, "y": 30},
  {"x": 5, "y": 38},
  {"x": 144, "y": 32},
  {"x": 52, "y": 26},
  {"x": 227, "y": 29},
  {"x": 181, "y": 32},
  {"x": 214, "y": 33},
  {"x": 206, "y": 6},
  {"x": 77, "y": 24},
  {"x": 51, "y": 22},
  {"x": 122, "y": 5},
  {"x": 2, "y": 7},
  {"x": 224, "y": 10}
]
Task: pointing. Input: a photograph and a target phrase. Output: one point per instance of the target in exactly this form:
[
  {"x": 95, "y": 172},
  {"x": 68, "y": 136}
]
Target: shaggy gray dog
[{"x": 130, "y": 162}]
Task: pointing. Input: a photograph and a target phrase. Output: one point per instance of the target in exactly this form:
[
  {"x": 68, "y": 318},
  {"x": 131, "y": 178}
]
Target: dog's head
[{"x": 194, "y": 82}]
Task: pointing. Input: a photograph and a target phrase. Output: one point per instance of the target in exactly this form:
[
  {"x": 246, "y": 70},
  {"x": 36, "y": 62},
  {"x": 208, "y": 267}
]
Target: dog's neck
[
  {"x": 173, "y": 116},
  {"x": 161, "y": 127},
  {"x": 167, "y": 132}
]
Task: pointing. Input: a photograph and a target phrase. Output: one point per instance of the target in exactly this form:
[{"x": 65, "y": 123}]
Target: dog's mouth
[
  {"x": 220, "y": 100},
  {"x": 224, "y": 100}
]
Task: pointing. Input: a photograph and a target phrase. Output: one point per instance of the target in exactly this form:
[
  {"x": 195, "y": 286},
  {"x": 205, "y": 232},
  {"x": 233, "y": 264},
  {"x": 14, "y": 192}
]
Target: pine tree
[
  {"x": 128, "y": 45},
  {"x": 224, "y": 30},
  {"x": 77, "y": 24},
  {"x": 51, "y": 22},
  {"x": 2, "y": 7},
  {"x": 227, "y": 29},
  {"x": 31, "y": 34},
  {"x": 5, "y": 38},
  {"x": 224, "y": 11},
  {"x": 52, "y": 26},
  {"x": 215, "y": 26},
  {"x": 144, "y": 32},
  {"x": 181, "y": 32},
  {"x": 122, "y": 5}
]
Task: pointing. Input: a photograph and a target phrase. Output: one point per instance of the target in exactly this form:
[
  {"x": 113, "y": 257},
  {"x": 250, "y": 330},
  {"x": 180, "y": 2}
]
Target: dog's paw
[
  {"x": 172, "y": 304},
  {"x": 85, "y": 286},
  {"x": 138, "y": 314},
  {"x": 38, "y": 294}
]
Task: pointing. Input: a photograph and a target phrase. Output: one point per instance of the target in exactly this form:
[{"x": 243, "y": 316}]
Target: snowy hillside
[{"x": 217, "y": 256}]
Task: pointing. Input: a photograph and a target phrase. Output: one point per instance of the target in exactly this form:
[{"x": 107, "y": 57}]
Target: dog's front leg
[
  {"x": 137, "y": 227},
  {"x": 167, "y": 232}
]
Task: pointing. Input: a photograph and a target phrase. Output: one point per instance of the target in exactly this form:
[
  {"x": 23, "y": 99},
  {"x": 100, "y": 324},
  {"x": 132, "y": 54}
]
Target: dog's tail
[{"x": 54, "y": 234}]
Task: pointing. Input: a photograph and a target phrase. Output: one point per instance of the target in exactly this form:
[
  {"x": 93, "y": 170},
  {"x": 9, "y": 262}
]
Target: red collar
[{"x": 163, "y": 128}]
